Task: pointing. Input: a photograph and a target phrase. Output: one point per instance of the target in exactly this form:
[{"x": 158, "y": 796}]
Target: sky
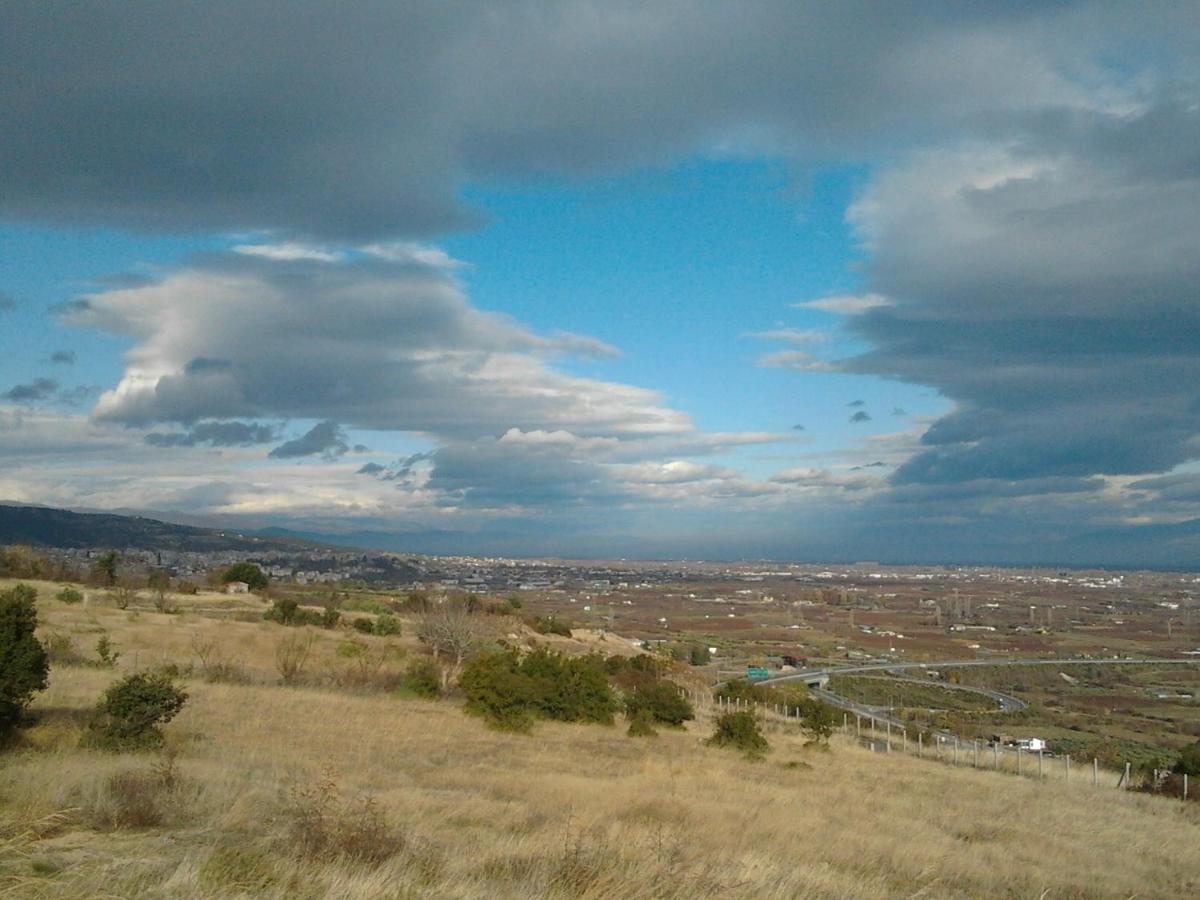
[{"x": 904, "y": 281}]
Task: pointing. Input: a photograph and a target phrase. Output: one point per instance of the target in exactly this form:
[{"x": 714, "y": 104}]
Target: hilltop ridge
[{"x": 43, "y": 526}]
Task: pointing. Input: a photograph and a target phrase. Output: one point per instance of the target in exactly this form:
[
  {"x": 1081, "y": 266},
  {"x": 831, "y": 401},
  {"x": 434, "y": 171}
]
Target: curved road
[
  {"x": 877, "y": 713},
  {"x": 1007, "y": 702}
]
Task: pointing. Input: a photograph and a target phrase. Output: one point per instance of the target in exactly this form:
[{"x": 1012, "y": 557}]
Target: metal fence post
[{"x": 1095, "y": 771}]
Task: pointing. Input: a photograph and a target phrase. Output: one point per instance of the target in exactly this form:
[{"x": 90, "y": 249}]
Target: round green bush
[
  {"x": 69, "y": 595},
  {"x": 661, "y": 701},
  {"x": 739, "y": 730},
  {"x": 132, "y": 709}
]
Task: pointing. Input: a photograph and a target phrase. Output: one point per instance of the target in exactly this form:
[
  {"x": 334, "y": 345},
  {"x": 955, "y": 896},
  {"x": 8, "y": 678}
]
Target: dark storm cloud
[
  {"x": 351, "y": 120},
  {"x": 49, "y": 390},
  {"x": 63, "y": 357},
  {"x": 1051, "y": 293},
  {"x": 396, "y": 471},
  {"x": 325, "y": 439},
  {"x": 215, "y": 434},
  {"x": 861, "y": 416},
  {"x": 35, "y": 391},
  {"x": 854, "y": 403},
  {"x": 1181, "y": 488}
]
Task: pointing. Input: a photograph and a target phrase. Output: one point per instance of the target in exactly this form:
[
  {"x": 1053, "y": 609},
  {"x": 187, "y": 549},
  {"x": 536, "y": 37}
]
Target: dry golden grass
[{"x": 573, "y": 811}]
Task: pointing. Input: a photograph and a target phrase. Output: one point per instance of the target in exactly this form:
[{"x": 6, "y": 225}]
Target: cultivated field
[{"x": 432, "y": 803}]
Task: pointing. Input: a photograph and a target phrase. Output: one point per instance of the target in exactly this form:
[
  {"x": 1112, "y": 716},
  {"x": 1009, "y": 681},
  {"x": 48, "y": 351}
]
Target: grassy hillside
[{"x": 418, "y": 799}]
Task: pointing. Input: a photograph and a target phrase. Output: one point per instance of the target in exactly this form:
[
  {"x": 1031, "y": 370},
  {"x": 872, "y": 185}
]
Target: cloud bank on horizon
[{"x": 1026, "y": 222}]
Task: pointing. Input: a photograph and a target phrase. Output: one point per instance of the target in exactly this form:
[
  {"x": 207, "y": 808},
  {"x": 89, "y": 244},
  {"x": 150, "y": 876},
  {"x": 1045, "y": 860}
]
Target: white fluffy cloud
[{"x": 359, "y": 341}]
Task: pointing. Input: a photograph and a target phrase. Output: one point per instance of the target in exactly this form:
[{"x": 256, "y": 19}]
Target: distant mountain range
[{"x": 41, "y": 526}]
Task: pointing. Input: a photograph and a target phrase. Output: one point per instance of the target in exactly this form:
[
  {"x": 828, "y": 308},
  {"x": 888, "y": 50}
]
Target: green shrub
[
  {"x": 23, "y": 661},
  {"x": 283, "y": 610},
  {"x": 287, "y": 611},
  {"x": 1189, "y": 761},
  {"x": 642, "y": 725},
  {"x": 739, "y": 730},
  {"x": 570, "y": 688},
  {"x": 660, "y": 701},
  {"x": 424, "y": 678},
  {"x": 698, "y": 655},
  {"x": 106, "y": 652},
  {"x": 69, "y": 595},
  {"x": 496, "y": 689},
  {"x": 511, "y": 691},
  {"x": 629, "y": 671},
  {"x": 386, "y": 625},
  {"x": 550, "y": 625},
  {"x": 817, "y": 719},
  {"x": 132, "y": 709},
  {"x": 364, "y": 626}
]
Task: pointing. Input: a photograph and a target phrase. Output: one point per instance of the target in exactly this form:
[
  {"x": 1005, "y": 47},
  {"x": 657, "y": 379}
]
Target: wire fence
[{"x": 882, "y": 734}]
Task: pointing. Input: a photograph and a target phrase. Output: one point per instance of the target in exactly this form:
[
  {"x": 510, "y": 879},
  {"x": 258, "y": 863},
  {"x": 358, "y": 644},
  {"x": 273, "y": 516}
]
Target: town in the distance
[{"x": 1041, "y": 659}]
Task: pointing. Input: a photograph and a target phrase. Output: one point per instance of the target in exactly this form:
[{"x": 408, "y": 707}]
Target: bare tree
[
  {"x": 123, "y": 592},
  {"x": 453, "y": 634},
  {"x": 291, "y": 655}
]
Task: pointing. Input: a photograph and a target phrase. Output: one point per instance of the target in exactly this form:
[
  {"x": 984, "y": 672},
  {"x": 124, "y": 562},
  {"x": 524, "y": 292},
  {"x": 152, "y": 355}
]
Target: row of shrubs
[
  {"x": 129, "y": 712},
  {"x": 512, "y": 690}
]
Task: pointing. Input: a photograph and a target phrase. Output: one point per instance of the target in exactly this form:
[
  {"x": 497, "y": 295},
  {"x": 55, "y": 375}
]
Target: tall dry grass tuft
[{"x": 324, "y": 825}]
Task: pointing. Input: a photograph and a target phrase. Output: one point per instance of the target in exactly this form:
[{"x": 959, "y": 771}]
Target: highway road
[{"x": 880, "y": 714}]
